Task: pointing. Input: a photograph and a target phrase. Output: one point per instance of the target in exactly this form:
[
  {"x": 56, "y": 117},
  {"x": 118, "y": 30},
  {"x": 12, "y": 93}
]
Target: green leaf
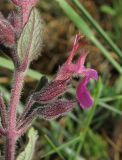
[
  {"x": 30, "y": 42},
  {"x": 27, "y": 154}
]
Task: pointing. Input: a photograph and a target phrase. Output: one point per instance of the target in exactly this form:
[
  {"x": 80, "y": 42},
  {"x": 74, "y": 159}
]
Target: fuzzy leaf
[
  {"x": 30, "y": 42},
  {"x": 27, "y": 154}
]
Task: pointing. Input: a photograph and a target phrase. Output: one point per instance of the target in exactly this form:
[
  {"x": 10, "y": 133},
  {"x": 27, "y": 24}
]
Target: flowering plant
[{"x": 22, "y": 33}]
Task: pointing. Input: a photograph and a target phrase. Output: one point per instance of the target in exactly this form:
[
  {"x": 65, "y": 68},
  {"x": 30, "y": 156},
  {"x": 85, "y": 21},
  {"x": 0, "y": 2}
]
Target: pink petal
[
  {"x": 83, "y": 95},
  {"x": 90, "y": 73},
  {"x": 78, "y": 42},
  {"x": 81, "y": 59}
]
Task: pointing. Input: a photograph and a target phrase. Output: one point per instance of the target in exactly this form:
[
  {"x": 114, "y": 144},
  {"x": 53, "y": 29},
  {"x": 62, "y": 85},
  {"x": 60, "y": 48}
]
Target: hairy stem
[
  {"x": 14, "y": 102},
  {"x": 10, "y": 147},
  {"x": 15, "y": 97}
]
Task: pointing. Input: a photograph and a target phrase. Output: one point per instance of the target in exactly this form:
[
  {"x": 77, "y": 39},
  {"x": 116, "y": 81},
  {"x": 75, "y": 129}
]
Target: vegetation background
[{"x": 94, "y": 134}]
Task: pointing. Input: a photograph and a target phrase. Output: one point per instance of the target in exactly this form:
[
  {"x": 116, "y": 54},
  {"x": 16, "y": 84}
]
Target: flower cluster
[{"x": 50, "y": 104}]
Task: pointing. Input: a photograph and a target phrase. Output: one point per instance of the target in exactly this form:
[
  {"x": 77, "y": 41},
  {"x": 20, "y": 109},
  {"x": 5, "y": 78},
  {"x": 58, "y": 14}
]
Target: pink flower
[
  {"x": 47, "y": 102},
  {"x": 69, "y": 69},
  {"x": 51, "y": 105}
]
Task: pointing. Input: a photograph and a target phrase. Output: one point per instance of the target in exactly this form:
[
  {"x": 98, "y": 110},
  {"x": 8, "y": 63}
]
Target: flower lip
[
  {"x": 82, "y": 94},
  {"x": 83, "y": 97}
]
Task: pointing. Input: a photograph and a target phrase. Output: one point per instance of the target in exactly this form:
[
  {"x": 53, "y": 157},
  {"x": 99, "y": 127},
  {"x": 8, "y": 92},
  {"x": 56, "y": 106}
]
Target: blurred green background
[{"x": 94, "y": 134}]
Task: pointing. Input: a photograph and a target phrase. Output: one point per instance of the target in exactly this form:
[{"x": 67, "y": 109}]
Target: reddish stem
[
  {"x": 10, "y": 147},
  {"x": 14, "y": 102},
  {"x": 15, "y": 97}
]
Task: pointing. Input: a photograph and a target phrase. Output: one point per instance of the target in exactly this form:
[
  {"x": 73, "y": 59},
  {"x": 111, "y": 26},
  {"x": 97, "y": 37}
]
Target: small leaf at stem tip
[{"x": 30, "y": 41}]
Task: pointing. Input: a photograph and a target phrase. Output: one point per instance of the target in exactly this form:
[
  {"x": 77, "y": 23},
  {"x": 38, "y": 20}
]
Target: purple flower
[
  {"x": 47, "y": 102},
  {"x": 51, "y": 105},
  {"x": 69, "y": 69}
]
